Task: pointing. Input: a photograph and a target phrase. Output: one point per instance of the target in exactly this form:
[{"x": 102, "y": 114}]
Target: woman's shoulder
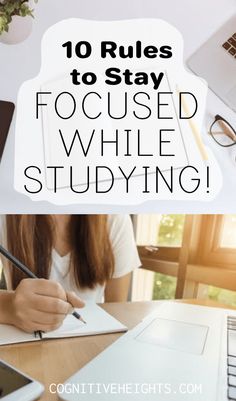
[
  {"x": 123, "y": 244},
  {"x": 118, "y": 219},
  {"x": 118, "y": 224}
]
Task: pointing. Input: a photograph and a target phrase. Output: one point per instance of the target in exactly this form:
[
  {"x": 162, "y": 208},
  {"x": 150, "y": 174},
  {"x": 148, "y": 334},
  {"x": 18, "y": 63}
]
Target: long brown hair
[{"x": 30, "y": 238}]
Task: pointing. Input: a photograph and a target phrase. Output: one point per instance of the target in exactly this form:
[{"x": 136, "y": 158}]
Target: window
[
  {"x": 190, "y": 255},
  {"x": 170, "y": 231},
  {"x": 226, "y": 245},
  {"x": 218, "y": 241},
  {"x": 228, "y": 234},
  {"x": 221, "y": 295},
  {"x": 159, "y": 230},
  {"x": 169, "y": 234},
  {"x": 156, "y": 234},
  {"x": 164, "y": 286}
]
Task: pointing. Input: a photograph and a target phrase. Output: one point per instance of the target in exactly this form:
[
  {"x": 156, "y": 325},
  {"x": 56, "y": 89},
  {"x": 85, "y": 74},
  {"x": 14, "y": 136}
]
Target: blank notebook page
[
  {"x": 10, "y": 335},
  {"x": 97, "y": 322}
]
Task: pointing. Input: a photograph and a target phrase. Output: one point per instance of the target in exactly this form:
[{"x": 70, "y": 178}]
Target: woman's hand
[{"x": 39, "y": 304}]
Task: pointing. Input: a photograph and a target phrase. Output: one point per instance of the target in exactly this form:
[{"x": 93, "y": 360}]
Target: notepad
[
  {"x": 66, "y": 139},
  {"x": 97, "y": 322}
]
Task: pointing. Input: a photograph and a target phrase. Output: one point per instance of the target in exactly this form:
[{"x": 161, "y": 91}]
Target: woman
[{"x": 77, "y": 258}]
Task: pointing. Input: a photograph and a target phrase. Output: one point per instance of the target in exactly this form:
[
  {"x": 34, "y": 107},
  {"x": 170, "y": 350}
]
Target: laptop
[
  {"x": 181, "y": 352},
  {"x": 215, "y": 61},
  {"x": 6, "y": 114}
]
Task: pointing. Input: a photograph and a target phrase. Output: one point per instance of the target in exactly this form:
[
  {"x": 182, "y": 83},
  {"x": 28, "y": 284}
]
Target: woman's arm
[
  {"x": 117, "y": 289},
  {"x": 37, "y": 305}
]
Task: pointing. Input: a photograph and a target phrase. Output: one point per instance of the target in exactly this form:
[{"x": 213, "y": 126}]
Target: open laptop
[
  {"x": 181, "y": 352},
  {"x": 215, "y": 61}
]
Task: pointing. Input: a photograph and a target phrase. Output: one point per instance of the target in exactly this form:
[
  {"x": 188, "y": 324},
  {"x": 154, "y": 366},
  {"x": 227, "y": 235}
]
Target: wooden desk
[{"x": 54, "y": 361}]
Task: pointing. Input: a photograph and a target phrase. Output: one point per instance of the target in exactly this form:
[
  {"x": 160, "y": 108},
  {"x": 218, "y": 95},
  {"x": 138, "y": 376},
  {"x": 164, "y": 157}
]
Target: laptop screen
[{"x": 6, "y": 114}]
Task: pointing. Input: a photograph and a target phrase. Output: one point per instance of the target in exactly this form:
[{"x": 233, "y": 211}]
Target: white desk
[{"x": 197, "y": 20}]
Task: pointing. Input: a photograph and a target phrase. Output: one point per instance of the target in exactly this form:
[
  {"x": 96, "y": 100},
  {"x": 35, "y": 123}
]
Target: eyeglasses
[{"x": 222, "y": 132}]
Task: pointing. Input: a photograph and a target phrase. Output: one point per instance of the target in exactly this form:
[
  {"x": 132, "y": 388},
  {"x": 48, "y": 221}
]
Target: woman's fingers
[
  {"x": 48, "y": 288},
  {"x": 50, "y": 305},
  {"x": 51, "y": 321},
  {"x": 42, "y": 305},
  {"x": 74, "y": 300},
  {"x": 43, "y": 318}
]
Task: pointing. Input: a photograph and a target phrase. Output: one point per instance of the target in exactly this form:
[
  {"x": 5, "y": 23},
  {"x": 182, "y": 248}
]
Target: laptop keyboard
[
  {"x": 230, "y": 45},
  {"x": 231, "y": 362}
]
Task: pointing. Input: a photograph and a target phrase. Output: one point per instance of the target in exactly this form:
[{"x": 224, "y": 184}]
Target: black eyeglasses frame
[{"x": 217, "y": 118}]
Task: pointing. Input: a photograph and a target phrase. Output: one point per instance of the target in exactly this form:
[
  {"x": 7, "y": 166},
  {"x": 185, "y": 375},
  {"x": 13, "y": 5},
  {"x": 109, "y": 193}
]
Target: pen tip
[{"x": 77, "y": 315}]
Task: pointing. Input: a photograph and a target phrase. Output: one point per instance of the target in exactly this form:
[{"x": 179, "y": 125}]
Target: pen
[{"x": 19, "y": 265}]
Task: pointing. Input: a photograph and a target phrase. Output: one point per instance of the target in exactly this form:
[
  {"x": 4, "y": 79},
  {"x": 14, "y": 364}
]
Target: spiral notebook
[{"x": 98, "y": 321}]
